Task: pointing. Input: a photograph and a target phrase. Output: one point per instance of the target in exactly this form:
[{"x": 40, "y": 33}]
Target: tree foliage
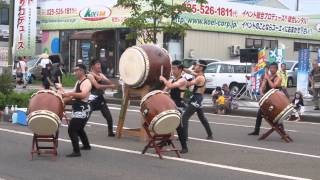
[{"x": 150, "y": 17}]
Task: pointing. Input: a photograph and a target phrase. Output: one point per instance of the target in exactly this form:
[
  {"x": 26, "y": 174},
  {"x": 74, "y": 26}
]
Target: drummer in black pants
[
  {"x": 269, "y": 81},
  {"x": 97, "y": 102},
  {"x": 177, "y": 86},
  {"x": 80, "y": 111},
  {"x": 195, "y": 103}
]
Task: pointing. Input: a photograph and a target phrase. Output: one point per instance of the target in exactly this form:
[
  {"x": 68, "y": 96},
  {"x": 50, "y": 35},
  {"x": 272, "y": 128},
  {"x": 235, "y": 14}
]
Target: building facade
[{"x": 93, "y": 30}]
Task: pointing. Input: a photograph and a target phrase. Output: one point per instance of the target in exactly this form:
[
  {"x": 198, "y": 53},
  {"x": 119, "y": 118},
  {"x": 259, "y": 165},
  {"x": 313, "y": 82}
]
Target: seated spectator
[
  {"x": 298, "y": 106},
  {"x": 221, "y": 103}
]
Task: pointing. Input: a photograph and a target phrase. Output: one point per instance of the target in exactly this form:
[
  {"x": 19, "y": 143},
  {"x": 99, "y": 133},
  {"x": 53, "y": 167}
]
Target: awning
[{"x": 82, "y": 35}]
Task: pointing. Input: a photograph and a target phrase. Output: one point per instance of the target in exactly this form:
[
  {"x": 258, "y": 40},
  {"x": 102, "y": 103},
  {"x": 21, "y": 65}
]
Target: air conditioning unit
[{"x": 234, "y": 50}]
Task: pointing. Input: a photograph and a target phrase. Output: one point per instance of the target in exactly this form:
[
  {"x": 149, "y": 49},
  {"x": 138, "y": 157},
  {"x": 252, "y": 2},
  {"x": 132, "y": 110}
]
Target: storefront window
[{"x": 174, "y": 45}]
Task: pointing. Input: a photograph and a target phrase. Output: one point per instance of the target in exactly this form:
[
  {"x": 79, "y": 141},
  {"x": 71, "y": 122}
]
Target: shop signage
[
  {"x": 214, "y": 16},
  {"x": 25, "y": 20},
  {"x": 95, "y": 13}
]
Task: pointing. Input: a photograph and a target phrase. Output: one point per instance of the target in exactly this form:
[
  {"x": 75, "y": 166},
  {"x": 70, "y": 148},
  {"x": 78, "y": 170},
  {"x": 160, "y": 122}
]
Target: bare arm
[
  {"x": 169, "y": 85},
  {"x": 262, "y": 87},
  {"x": 196, "y": 81},
  {"x": 97, "y": 85},
  {"x": 85, "y": 91},
  {"x": 275, "y": 84},
  {"x": 188, "y": 71}
]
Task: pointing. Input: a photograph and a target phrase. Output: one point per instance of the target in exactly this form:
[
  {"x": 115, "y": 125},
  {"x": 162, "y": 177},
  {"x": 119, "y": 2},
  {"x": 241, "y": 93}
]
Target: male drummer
[
  {"x": 99, "y": 84},
  {"x": 177, "y": 86},
  {"x": 80, "y": 111},
  {"x": 195, "y": 102},
  {"x": 269, "y": 81}
]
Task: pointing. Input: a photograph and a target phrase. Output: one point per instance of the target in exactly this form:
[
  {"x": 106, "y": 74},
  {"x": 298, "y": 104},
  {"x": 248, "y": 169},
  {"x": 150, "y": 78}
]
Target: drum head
[
  {"x": 285, "y": 114},
  {"x": 267, "y": 95},
  {"x": 166, "y": 124},
  {"x": 43, "y": 125},
  {"x": 133, "y": 67}
]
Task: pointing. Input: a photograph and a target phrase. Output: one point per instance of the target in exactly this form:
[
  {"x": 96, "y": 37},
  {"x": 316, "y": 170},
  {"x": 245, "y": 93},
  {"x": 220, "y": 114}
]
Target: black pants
[
  {"x": 190, "y": 110},
  {"x": 258, "y": 121},
  {"x": 75, "y": 130},
  {"x": 100, "y": 103}
]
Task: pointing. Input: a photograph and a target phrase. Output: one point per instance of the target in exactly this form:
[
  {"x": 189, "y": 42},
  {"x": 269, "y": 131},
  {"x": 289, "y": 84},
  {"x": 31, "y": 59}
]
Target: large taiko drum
[
  {"x": 160, "y": 112},
  {"x": 45, "y": 112},
  {"x": 140, "y": 65},
  {"x": 275, "y": 106}
]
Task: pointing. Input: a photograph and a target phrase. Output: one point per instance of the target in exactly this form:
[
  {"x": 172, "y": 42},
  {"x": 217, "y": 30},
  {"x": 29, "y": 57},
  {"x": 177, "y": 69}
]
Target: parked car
[
  {"x": 188, "y": 62},
  {"x": 232, "y": 73},
  {"x": 292, "y": 70},
  {"x": 34, "y": 67}
]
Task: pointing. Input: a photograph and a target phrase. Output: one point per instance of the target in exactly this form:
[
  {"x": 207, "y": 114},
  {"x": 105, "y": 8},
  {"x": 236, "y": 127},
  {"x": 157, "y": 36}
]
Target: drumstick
[{"x": 161, "y": 73}]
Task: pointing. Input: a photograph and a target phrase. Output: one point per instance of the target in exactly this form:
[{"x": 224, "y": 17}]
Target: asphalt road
[{"x": 231, "y": 155}]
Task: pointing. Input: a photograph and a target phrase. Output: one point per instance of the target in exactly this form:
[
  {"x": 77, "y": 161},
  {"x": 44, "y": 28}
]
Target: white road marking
[
  {"x": 210, "y": 114},
  {"x": 236, "y": 145},
  {"x": 226, "y": 124},
  {"x": 236, "y": 125},
  {"x": 190, "y": 161}
]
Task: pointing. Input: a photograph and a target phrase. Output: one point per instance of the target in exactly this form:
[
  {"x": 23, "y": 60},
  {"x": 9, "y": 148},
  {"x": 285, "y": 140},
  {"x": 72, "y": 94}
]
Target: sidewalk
[{"x": 246, "y": 107}]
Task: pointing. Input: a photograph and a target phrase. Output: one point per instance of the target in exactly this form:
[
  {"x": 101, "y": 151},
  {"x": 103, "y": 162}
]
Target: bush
[
  {"x": 6, "y": 82},
  {"x": 68, "y": 80},
  {"x": 20, "y": 99},
  {"x": 2, "y": 100}
]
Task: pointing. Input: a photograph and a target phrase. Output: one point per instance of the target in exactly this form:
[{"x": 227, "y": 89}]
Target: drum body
[
  {"x": 275, "y": 106},
  {"x": 141, "y": 65},
  {"x": 45, "y": 112},
  {"x": 160, "y": 112}
]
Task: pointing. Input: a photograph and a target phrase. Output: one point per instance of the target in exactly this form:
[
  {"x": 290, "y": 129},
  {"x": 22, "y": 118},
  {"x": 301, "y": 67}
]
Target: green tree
[{"x": 150, "y": 17}]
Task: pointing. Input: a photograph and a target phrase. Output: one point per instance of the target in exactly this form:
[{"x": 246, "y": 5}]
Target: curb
[{"x": 246, "y": 112}]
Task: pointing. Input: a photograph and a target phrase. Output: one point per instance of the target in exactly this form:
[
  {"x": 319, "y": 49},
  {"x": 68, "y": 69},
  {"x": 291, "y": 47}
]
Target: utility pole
[
  {"x": 297, "y": 7},
  {"x": 11, "y": 24}
]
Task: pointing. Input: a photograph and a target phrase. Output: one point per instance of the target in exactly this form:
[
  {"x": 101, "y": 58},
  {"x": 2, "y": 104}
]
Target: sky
[{"x": 312, "y": 6}]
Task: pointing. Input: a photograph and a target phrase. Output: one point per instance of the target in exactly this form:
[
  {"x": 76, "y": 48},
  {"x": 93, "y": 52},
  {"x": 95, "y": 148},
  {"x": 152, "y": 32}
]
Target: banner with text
[
  {"x": 303, "y": 69},
  {"x": 25, "y": 21},
  {"x": 213, "y": 16}
]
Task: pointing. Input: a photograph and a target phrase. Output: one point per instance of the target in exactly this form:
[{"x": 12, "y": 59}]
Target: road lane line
[
  {"x": 236, "y": 145},
  {"x": 210, "y": 114},
  {"x": 210, "y": 122},
  {"x": 190, "y": 161},
  {"x": 237, "y": 125}
]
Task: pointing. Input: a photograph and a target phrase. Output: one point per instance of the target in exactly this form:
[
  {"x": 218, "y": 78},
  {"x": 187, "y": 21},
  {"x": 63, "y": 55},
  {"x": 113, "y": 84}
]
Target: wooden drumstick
[{"x": 161, "y": 73}]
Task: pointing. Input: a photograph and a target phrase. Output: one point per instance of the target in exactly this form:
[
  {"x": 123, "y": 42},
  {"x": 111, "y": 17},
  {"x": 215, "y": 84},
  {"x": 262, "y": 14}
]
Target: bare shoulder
[{"x": 86, "y": 84}]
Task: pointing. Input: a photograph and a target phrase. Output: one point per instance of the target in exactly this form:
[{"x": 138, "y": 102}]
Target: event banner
[
  {"x": 303, "y": 70},
  {"x": 25, "y": 21},
  {"x": 214, "y": 16},
  {"x": 258, "y": 70},
  {"x": 319, "y": 55}
]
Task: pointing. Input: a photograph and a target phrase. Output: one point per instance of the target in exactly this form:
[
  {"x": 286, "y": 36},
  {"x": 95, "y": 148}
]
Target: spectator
[
  {"x": 44, "y": 61},
  {"x": 315, "y": 83},
  {"x": 284, "y": 76},
  {"x": 23, "y": 69},
  {"x": 19, "y": 75},
  {"x": 47, "y": 82},
  {"x": 221, "y": 103},
  {"x": 298, "y": 105},
  {"x": 109, "y": 70},
  {"x": 57, "y": 76}
]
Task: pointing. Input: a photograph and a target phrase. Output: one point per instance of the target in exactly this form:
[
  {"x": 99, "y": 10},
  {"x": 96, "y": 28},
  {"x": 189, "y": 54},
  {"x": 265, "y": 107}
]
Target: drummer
[
  {"x": 80, "y": 111},
  {"x": 195, "y": 103},
  {"x": 269, "y": 81},
  {"x": 177, "y": 86},
  {"x": 97, "y": 102}
]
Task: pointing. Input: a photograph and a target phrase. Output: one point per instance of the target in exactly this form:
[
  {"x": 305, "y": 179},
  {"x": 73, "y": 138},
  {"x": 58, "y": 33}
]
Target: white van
[{"x": 232, "y": 73}]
